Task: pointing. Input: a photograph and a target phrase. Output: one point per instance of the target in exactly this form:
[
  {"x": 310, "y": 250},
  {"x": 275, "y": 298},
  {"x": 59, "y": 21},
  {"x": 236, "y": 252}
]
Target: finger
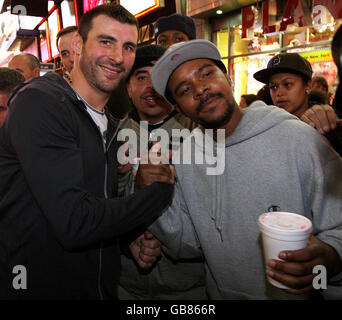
[
  {"x": 327, "y": 117},
  {"x": 300, "y": 255},
  {"x": 316, "y": 115},
  {"x": 293, "y": 268},
  {"x": 307, "y": 120},
  {"x": 156, "y": 170},
  {"x": 148, "y": 235},
  {"x": 149, "y": 258},
  {"x": 150, "y": 245},
  {"x": 293, "y": 282},
  {"x": 332, "y": 118},
  {"x": 149, "y": 255}
]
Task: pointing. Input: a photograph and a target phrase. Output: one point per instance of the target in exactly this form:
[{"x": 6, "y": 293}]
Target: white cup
[{"x": 282, "y": 231}]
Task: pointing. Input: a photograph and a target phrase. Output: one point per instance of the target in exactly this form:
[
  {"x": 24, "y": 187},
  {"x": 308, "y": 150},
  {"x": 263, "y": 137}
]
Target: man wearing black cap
[
  {"x": 288, "y": 75},
  {"x": 173, "y": 29},
  {"x": 149, "y": 105},
  {"x": 168, "y": 279}
]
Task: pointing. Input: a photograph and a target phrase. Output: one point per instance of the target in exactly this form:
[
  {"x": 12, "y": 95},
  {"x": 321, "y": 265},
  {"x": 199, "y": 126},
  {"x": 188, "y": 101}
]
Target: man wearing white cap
[{"x": 273, "y": 162}]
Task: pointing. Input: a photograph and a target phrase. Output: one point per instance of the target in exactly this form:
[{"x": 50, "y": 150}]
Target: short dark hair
[
  {"x": 65, "y": 31},
  {"x": 33, "y": 61},
  {"x": 317, "y": 97},
  {"x": 321, "y": 81},
  {"x": 249, "y": 98},
  {"x": 264, "y": 95},
  {"x": 114, "y": 11},
  {"x": 9, "y": 79}
]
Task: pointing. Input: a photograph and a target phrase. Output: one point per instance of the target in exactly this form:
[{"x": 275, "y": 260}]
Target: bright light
[{"x": 219, "y": 11}]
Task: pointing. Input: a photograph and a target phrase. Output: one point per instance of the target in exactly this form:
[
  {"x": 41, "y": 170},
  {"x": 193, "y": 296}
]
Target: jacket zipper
[{"x": 105, "y": 149}]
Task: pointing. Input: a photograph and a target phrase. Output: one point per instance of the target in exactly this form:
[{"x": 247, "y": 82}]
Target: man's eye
[
  {"x": 207, "y": 74},
  {"x": 178, "y": 39},
  {"x": 65, "y": 54},
  {"x": 142, "y": 78},
  {"x": 288, "y": 84},
  {"x": 273, "y": 87},
  {"x": 162, "y": 42},
  {"x": 105, "y": 42},
  {"x": 184, "y": 91}
]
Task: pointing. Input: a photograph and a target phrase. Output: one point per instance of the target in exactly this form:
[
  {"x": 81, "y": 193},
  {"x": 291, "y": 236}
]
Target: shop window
[
  {"x": 221, "y": 41},
  {"x": 242, "y": 72}
]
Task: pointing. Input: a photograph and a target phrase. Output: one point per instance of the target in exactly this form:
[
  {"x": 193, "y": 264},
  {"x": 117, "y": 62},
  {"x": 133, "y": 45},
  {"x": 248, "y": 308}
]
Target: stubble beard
[
  {"x": 218, "y": 122},
  {"x": 90, "y": 72}
]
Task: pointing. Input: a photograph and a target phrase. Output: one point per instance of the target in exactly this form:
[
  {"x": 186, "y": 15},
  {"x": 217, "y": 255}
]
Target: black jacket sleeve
[{"x": 42, "y": 134}]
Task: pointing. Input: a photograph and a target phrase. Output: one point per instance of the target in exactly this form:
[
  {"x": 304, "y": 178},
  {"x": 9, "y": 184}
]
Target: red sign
[
  {"x": 90, "y": 4},
  {"x": 295, "y": 11}
]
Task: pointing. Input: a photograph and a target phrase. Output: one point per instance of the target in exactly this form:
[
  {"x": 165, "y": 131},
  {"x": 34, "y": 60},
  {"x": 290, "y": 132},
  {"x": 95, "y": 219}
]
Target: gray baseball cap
[{"x": 176, "y": 55}]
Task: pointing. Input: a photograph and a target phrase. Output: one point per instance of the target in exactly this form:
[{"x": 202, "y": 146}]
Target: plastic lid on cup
[{"x": 285, "y": 222}]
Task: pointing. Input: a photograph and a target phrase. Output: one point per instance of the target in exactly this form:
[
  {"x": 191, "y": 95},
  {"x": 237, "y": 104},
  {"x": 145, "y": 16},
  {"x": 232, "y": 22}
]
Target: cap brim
[
  {"x": 265, "y": 74},
  {"x": 178, "y": 54}
]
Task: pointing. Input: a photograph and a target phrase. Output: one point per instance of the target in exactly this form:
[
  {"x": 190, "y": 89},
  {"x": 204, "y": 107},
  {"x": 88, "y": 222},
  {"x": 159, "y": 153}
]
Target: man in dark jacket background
[{"x": 59, "y": 218}]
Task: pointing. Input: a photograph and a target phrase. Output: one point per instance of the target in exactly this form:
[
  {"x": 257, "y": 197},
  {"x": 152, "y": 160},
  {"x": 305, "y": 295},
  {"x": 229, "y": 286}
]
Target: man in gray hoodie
[{"x": 272, "y": 161}]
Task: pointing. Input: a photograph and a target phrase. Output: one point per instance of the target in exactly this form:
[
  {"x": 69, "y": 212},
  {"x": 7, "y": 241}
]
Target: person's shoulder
[
  {"x": 51, "y": 86},
  {"x": 185, "y": 122},
  {"x": 129, "y": 123},
  {"x": 40, "y": 99}
]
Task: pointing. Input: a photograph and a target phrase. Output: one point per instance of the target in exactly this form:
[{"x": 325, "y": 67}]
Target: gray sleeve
[
  {"x": 176, "y": 231},
  {"x": 326, "y": 169}
]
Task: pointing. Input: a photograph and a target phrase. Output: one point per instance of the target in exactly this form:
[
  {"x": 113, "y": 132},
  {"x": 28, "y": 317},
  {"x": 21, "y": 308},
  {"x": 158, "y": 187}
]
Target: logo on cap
[
  {"x": 276, "y": 61},
  {"x": 175, "y": 57}
]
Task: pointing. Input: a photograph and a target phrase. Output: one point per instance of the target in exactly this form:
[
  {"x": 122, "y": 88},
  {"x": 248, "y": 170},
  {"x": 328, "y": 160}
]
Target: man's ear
[
  {"x": 36, "y": 72},
  {"x": 228, "y": 79},
  {"x": 308, "y": 87},
  {"x": 77, "y": 43}
]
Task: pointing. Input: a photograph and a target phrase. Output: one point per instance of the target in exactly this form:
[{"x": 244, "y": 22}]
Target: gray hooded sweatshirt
[{"x": 273, "y": 161}]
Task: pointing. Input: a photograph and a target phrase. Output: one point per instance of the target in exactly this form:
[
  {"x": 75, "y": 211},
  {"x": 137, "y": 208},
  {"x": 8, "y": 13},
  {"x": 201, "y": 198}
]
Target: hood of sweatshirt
[
  {"x": 258, "y": 118},
  {"x": 254, "y": 123}
]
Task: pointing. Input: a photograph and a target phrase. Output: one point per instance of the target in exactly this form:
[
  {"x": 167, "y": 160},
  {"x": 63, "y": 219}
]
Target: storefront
[
  {"x": 249, "y": 36},
  {"x": 34, "y": 30}
]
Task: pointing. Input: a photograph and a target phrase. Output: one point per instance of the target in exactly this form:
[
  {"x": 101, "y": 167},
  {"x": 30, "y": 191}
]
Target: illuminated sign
[
  {"x": 141, "y": 7},
  {"x": 295, "y": 11},
  {"x": 90, "y": 4}
]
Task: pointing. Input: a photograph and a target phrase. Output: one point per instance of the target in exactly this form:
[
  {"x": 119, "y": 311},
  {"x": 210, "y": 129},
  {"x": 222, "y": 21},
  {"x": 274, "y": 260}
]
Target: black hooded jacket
[{"x": 59, "y": 217}]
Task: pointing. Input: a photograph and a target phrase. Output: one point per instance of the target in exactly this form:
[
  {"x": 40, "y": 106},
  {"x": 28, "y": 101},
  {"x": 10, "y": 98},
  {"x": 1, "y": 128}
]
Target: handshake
[{"x": 147, "y": 169}]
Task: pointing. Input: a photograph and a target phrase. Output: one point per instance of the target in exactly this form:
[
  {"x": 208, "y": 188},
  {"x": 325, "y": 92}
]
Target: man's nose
[
  {"x": 201, "y": 88},
  {"x": 116, "y": 55}
]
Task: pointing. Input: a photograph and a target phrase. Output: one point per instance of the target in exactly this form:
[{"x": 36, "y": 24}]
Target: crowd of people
[{"x": 87, "y": 226}]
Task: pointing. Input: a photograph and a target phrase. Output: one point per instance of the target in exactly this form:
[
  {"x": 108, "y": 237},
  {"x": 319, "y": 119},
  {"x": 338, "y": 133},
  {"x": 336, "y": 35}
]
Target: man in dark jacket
[{"x": 59, "y": 218}]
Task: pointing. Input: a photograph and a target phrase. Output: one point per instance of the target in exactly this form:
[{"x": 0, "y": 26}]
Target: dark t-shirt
[{"x": 119, "y": 103}]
